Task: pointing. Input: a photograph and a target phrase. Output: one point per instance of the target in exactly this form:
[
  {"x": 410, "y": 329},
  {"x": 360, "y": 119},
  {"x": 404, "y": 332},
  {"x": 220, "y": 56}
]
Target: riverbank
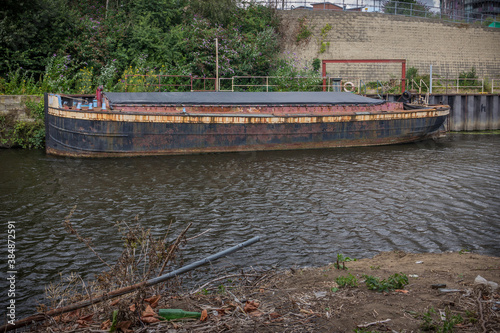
[{"x": 440, "y": 294}]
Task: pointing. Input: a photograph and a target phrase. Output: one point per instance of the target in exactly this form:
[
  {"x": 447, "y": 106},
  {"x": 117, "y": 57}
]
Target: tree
[
  {"x": 216, "y": 11},
  {"x": 30, "y": 31},
  {"x": 406, "y": 7}
]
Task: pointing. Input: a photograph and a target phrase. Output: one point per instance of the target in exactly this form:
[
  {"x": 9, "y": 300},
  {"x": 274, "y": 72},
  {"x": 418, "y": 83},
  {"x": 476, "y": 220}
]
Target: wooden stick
[
  {"x": 221, "y": 278},
  {"x": 374, "y": 323},
  {"x": 170, "y": 253}
]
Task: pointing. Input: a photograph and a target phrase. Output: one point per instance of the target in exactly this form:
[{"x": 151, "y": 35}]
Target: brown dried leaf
[
  {"x": 124, "y": 326},
  {"x": 150, "y": 320},
  {"x": 204, "y": 315},
  {"x": 149, "y": 312},
  {"x": 106, "y": 325},
  {"x": 256, "y": 313},
  {"x": 153, "y": 301},
  {"x": 132, "y": 308},
  {"x": 274, "y": 315},
  {"x": 87, "y": 318},
  {"x": 251, "y": 306},
  {"x": 309, "y": 312},
  {"x": 401, "y": 291},
  {"x": 116, "y": 301},
  {"x": 71, "y": 316}
]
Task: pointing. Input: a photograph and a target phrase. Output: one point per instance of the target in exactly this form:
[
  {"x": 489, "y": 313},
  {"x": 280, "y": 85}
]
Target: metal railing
[
  {"x": 270, "y": 83},
  {"x": 495, "y": 85},
  {"x": 457, "y": 85},
  {"x": 136, "y": 83},
  {"x": 158, "y": 83},
  {"x": 458, "y": 15}
]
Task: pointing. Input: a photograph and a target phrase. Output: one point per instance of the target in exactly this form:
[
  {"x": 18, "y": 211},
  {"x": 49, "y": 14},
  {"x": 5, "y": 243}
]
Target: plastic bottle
[{"x": 170, "y": 314}]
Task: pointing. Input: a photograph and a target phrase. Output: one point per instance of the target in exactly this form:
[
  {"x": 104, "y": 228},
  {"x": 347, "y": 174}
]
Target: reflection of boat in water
[{"x": 129, "y": 124}]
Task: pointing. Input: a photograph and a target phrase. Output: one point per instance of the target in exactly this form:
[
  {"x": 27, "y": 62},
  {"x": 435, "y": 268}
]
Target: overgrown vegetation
[
  {"x": 395, "y": 281},
  {"x": 304, "y": 31},
  {"x": 28, "y": 134},
  {"x": 321, "y": 41},
  {"x": 75, "y": 45}
]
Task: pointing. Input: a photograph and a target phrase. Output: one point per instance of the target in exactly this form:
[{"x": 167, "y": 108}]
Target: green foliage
[
  {"x": 347, "y": 281},
  {"x": 411, "y": 73},
  {"x": 407, "y": 7},
  {"x": 304, "y": 32},
  {"x": 36, "y": 110},
  {"x": 29, "y": 135},
  {"x": 26, "y": 134},
  {"x": 290, "y": 75},
  {"x": 216, "y": 11},
  {"x": 92, "y": 46},
  {"x": 341, "y": 260},
  {"x": 413, "y": 76},
  {"x": 395, "y": 281},
  {"x": 31, "y": 30},
  {"x": 324, "y": 31},
  {"x": 431, "y": 323},
  {"x": 487, "y": 21},
  {"x": 316, "y": 64},
  {"x": 221, "y": 289},
  {"x": 19, "y": 82},
  {"x": 428, "y": 323},
  {"x": 468, "y": 79}
]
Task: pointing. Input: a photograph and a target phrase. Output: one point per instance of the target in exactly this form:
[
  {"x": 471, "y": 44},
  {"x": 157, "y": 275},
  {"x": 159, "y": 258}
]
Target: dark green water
[{"x": 307, "y": 205}]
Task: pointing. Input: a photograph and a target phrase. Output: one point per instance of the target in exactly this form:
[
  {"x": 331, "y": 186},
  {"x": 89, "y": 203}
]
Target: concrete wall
[
  {"x": 15, "y": 105},
  {"x": 450, "y": 48}
]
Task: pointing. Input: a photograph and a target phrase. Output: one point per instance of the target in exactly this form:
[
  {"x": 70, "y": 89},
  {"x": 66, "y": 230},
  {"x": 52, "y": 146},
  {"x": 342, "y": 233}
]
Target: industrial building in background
[{"x": 471, "y": 9}]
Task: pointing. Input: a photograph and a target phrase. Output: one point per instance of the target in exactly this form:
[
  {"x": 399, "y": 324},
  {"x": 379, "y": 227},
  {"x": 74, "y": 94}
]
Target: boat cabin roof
[{"x": 239, "y": 98}]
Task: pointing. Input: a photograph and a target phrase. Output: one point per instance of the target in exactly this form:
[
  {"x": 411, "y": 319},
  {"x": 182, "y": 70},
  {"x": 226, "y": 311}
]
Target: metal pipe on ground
[{"x": 126, "y": 290}]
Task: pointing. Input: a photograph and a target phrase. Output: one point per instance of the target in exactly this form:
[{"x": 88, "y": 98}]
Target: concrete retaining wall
[
  {"x": 451, "y": 48},
  {"x": 15, "y": 105}
]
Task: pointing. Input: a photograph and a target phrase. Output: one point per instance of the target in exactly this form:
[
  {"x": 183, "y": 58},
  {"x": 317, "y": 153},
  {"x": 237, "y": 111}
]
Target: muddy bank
[{"x": 440, "y": 294}]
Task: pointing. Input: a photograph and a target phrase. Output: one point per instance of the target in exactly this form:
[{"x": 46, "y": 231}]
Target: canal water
[{"x": 307, "y": 206}]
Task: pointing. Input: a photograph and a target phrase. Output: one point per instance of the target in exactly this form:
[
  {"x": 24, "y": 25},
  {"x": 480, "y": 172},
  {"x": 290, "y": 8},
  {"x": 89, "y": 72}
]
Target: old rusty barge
[{"x": 161, "y": 123}]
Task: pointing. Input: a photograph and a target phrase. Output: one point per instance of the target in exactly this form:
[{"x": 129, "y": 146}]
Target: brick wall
[{"x": 450, "y": 48}]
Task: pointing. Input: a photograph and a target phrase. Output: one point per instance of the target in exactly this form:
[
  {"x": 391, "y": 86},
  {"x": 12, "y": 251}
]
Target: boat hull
[{"x": 114, "y": 133}]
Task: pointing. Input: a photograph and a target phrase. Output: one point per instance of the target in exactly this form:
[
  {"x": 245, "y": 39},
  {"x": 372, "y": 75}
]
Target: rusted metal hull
[{"x": 128, "y": 133}]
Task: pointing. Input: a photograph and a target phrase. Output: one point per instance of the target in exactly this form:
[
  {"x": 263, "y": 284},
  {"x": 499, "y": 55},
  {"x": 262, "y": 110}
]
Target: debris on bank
[{"x": 325, "y": 299}]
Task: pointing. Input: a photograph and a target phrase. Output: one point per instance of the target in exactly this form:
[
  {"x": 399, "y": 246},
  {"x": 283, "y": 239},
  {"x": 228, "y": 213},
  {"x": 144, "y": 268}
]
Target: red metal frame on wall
[{"x": 357, "y": 61}]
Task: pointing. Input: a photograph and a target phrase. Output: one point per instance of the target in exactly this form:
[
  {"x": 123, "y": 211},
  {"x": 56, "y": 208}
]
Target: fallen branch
[
  {"x": 374, "y": 323},
  {"x": 170, "y": 253}
]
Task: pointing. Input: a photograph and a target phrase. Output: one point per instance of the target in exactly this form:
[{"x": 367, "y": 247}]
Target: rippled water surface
[{"x": 307, "y": 205}]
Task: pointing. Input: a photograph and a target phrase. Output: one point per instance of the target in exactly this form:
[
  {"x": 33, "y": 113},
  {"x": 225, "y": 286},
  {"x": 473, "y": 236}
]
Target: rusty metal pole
[
  {"x": 403, "y": 75},
  {"x": 216, "y": 64},
  {"x": 323, "y": 73}
]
